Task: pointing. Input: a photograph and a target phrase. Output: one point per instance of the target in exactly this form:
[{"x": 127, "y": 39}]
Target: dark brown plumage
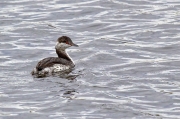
[
  {"x": 63, "y": 60},
  {"x": 50, "y": 61},
  {"x": 67, "y": 40}
]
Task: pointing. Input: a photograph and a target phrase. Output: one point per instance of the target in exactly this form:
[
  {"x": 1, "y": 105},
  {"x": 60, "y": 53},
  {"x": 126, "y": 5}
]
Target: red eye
[{"x": 67, "y": 42}]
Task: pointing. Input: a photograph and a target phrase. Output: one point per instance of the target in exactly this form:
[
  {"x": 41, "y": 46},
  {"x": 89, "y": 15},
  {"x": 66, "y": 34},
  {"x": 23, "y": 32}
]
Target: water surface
[{"x": 127, "y": 62}]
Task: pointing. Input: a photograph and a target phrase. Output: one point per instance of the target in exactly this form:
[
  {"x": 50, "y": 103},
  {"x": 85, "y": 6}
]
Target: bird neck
[{"x": 62, "y": 54}]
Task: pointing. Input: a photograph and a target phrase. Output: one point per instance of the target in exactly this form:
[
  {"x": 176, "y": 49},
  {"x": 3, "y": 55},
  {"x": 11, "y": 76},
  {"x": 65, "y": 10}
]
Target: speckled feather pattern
[
  {"x": 52, "y": 65},
  {"x": 53, "y": 69},
  {"x": 61, "y": 63}
]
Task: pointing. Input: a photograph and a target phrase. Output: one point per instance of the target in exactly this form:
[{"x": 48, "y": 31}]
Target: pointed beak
[{"x": 74, "y": 45}]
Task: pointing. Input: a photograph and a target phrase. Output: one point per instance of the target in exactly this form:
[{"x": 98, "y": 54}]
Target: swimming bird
[{"x": 61, "y": 63}]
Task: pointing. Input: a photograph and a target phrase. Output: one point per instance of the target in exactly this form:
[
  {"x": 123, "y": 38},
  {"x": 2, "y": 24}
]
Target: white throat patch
[{"x": 62, "y": 45}]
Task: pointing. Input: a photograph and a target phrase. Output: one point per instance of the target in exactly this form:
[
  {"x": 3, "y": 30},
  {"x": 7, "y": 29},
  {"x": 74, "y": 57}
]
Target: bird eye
[{"x": 67, "y": 42}]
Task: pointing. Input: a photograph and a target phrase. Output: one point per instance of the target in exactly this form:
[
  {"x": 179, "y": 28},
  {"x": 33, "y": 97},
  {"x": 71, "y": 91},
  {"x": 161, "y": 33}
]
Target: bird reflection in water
[{"x": 70, "y": 94}]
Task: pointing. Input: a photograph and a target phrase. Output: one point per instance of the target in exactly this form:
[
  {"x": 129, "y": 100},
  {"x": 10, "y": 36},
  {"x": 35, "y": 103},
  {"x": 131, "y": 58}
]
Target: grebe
[{"x": 56, "y": 64}]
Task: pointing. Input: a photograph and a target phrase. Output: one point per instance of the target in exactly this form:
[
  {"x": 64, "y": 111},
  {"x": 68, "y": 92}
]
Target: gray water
[{"x": 127, "y": 62}]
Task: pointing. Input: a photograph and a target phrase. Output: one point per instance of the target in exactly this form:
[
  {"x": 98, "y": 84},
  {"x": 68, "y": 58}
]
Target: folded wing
[{"x": 50, "y": 61}]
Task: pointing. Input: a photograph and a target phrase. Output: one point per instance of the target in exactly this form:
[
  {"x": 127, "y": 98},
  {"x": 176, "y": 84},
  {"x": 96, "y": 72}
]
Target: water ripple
[{"x": 127, "y": 62}]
